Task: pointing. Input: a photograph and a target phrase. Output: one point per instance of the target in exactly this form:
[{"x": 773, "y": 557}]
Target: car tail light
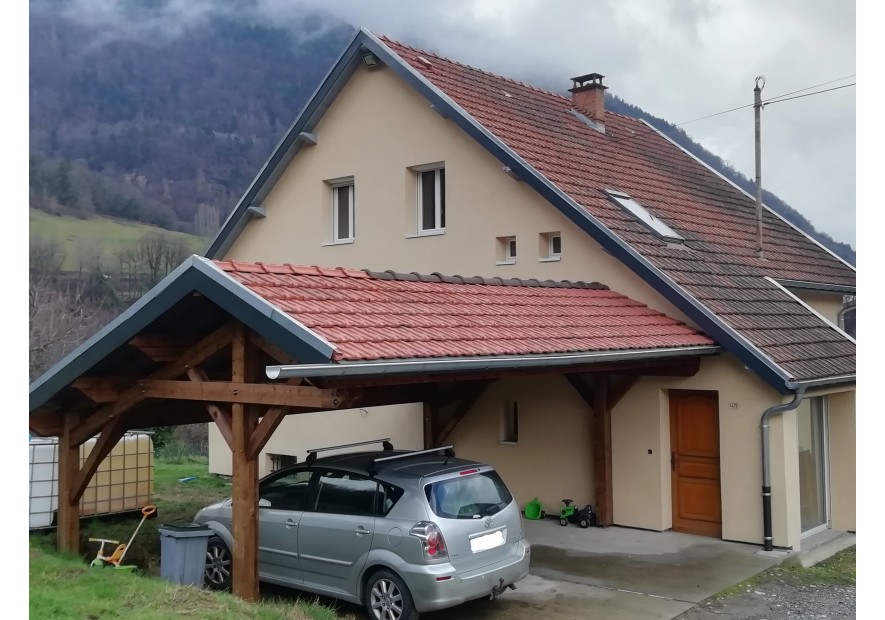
[{"x": 432, "y": 542}]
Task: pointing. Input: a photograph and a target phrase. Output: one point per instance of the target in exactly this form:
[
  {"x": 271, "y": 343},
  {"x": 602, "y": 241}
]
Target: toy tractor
[{"x": 584, "y": 517}]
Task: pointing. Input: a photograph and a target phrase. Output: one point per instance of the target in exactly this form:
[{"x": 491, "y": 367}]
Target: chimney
[{"x": 588, "y": 96}]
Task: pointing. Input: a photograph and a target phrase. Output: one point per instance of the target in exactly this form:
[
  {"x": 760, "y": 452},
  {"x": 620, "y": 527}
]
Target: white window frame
[
  {"x": 546, "y": 247},
  {"x": 505, "y": 256},
  {"x": 335, "y": 188},
  {"x": 439, "y": 205}
]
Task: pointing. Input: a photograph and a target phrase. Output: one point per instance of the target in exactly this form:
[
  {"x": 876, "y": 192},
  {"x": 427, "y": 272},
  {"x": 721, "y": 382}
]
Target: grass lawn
[
  {"x": 63, "y": 586},
  {"x": 99, "y": 236}
]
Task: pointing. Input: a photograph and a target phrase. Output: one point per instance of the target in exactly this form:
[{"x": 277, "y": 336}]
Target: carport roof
[
  {"x": 369, "y": 315},
  {"x": 322, "y": 316}
]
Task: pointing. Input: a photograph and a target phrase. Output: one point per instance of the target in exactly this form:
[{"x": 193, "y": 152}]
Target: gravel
[{"x": 776, "y": 597}]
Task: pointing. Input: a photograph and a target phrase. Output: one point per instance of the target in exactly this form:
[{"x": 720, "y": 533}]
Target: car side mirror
[{"x": 263, "y": 503}]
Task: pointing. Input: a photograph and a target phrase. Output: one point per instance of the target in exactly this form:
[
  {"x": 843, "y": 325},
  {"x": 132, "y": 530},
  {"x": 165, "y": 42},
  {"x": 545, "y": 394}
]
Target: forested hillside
[{"x": 169, "y": 129}]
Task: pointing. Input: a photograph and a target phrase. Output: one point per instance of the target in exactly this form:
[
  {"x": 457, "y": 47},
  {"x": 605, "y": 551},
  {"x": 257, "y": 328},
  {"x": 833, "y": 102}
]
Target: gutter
[
  {"x": 767, "y": 538},
  {"x": 477, "y": 363}
]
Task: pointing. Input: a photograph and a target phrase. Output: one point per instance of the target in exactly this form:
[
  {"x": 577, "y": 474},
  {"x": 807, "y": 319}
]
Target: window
[
  {"x": 431, "y": 200},
  {"x": 342, "y": 213},
  {"x": 510, "y": 423},
  {"x": 388, "y": 496},
  {"x": 550, "y": 246},
  {"x": 345, "y": 493},
  {"x": 287, "y": 491},
  {"x": 471, "y": 496},
  {"x": 644, "y": 216},
  {"x": 505, "y": 254},
  {"x": 279, "y": 461}
]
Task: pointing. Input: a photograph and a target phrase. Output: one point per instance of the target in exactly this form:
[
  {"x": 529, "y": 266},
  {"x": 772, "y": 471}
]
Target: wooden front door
[{"x": 694, "y": 460}]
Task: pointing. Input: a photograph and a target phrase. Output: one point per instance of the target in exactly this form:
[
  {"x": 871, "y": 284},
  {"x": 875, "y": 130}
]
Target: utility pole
[{"x": 757, "y": 108}]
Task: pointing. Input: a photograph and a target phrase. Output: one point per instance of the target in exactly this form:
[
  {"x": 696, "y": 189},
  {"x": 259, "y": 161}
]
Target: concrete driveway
[{"x": 616, "y": 573}]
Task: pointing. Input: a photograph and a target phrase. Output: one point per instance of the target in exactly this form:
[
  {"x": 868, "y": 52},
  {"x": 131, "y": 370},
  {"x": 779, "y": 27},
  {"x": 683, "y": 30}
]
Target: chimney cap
[{"x": 587, "y": 82}]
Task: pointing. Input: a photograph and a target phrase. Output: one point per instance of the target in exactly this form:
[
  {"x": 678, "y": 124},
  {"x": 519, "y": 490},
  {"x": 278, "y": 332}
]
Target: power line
[{"x": 777, "y": 99}]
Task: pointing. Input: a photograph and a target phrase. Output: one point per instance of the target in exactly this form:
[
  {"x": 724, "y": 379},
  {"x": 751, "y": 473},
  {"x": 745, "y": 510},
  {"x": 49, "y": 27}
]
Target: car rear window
[{"x": 470, "y": 496}]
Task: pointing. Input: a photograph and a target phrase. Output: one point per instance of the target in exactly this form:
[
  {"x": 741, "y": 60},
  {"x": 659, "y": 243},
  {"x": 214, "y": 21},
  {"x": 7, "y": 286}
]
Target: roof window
[{"x": 644, "y": 216}]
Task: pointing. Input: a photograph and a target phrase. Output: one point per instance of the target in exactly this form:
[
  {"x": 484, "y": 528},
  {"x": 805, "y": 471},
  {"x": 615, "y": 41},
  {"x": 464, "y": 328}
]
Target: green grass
[
  {"x": 63, "y": 586},
  {"x": 840, "y": 569},
  {"x": 85, "y": 239}
]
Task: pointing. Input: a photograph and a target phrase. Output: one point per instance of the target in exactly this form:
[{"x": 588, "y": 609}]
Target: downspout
[{"x": 766, "y": 464}]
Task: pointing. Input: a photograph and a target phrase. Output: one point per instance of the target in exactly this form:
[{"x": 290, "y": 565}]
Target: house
[
  {"x": 437, "y": 254},
  {"x": 407, "y": 161}
]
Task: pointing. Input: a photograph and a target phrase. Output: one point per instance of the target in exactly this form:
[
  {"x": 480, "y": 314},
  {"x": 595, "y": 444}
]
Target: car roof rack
[
  {"x": 449, "y": 452},
  {"x": 312, "y": 453}
]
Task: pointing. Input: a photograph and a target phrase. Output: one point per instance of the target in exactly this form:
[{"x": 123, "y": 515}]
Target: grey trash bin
[{"x": 183, "y": 552}]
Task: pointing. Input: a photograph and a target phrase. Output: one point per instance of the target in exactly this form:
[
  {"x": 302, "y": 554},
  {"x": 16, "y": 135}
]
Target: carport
[{"x": 201, "y": 346}]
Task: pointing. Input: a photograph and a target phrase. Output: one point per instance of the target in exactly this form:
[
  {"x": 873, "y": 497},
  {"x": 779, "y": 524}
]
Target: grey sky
[{"x": 676, "y": 59}]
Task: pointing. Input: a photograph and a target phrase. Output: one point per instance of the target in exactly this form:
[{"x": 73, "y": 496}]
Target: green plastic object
[{"x": 533, "y": 510}]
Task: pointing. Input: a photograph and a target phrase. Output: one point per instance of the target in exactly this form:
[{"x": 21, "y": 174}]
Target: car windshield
[{"x": 472, "y": 496}]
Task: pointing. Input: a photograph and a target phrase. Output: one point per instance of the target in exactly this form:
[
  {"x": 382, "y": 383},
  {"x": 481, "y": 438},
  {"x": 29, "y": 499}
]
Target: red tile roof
[
  {"x": 368, "y": 315},
  {"x": 717, "y": 263}
]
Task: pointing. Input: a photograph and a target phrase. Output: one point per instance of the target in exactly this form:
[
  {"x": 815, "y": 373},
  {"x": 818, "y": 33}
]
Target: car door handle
[
  {"x": 360, "y": 531},
  {"x": 290, "y": 523}
]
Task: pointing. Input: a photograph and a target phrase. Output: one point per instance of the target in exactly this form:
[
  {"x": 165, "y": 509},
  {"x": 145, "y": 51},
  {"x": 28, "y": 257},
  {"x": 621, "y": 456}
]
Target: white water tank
[{"x": 124, "y": 480}]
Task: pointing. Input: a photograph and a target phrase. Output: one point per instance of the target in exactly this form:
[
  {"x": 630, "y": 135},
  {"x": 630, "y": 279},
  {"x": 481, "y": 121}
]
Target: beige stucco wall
[
  {"x": 374, "y": 131},
  {"x": 843, "y": 460},
  {"x": 553, "y": 458},
  {"x": 641, "y": 422},
  {"x": 299, "y": 433}
]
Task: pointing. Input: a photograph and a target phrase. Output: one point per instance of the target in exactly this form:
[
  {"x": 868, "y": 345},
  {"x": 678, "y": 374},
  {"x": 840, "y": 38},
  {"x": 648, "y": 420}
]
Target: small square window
[
  {"x": 431, "y": 200},
  {"x": 342, "y": 212},
  {"x": 510, "y": 423},
  {"x": 279, "y": 461},
  {"x": 550, "y": 246},
  {"x": 505, "y": 253}
]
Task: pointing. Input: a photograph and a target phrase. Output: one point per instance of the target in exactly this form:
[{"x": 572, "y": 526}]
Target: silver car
[{"x": 398, "y": 532}]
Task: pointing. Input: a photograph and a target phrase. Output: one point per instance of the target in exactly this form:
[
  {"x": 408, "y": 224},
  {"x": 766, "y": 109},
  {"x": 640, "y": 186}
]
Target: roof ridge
[
  {"x": 390, "y": 274},
  {"x": 511, "y": 80}
]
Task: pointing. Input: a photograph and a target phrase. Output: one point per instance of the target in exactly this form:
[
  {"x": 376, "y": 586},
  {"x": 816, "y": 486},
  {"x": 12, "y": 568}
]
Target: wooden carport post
[
  {"x": 68, "y": 507},
  {"x": 245, "y": 477}
]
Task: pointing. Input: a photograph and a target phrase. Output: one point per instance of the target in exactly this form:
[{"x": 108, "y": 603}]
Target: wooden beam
[
  {"x": 103, "y": 389},
  {"x": 206, "y": 348},
  {"x": 160, "y": 348},
  {"x": 110, "y": 436},
  {"x": 245, "y": 480},
  {"x": 221, "y": 417},
  {"x": 619, "y": 389},
  {"x": 68, "y": 522},
  {"x": 271, "y": 349},
  {"x": 243, "y": 393},
  {"x": 470, "y": 397},
  {"x": 429, "y": 416},
  {"x": 602, "y": 451},
  {"x": 582, "y": 387},
  {"x": 262, "y": 433}
]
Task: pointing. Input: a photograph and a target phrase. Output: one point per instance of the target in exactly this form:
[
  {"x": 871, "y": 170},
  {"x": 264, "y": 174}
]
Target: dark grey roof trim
[
  {"x": 195, "y": 274},
  {"x": 732, "y": 340},
  {"x": 817, "y": 286},
  {"x": 479, "y": 363}
]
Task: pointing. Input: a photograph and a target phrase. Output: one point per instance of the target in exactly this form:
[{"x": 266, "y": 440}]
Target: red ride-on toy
[{"x": 584, "y": 517}]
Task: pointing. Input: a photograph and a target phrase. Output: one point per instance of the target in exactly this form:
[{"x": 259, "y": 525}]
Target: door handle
[
  {"x": 290, "y": 523},
  {"x": 360, "y": 531}
]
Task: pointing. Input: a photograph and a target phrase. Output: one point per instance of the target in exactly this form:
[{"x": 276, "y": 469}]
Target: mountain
[{"x": 166, "y": 122}]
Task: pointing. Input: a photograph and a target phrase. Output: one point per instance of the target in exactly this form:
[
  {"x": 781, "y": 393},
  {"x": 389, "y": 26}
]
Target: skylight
[{"x": 642, "y": 214}]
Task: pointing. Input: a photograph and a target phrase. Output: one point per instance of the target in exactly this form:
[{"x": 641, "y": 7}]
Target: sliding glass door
[{"x": 813, "y": 469}]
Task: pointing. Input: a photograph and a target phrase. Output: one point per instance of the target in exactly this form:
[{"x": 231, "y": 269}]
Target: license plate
[{"x": 487, "y": 541}]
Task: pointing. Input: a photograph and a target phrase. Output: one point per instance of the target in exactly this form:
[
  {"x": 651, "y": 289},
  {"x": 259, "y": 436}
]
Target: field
[{"x": 84, "y": 240}]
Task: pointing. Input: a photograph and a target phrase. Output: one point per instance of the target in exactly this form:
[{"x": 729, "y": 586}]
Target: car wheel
[
  {"x": 563, "y": 522},
  {"x": 388, "y": 598},
  {"x": 218, "y": 565}
]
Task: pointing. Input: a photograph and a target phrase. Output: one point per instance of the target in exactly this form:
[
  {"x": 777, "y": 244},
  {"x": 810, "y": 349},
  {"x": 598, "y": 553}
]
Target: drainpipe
[{"x": 766, "y": 467}]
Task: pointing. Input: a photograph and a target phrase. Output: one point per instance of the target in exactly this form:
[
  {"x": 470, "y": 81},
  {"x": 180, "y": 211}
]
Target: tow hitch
[{"x": 498, "y": 590}]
